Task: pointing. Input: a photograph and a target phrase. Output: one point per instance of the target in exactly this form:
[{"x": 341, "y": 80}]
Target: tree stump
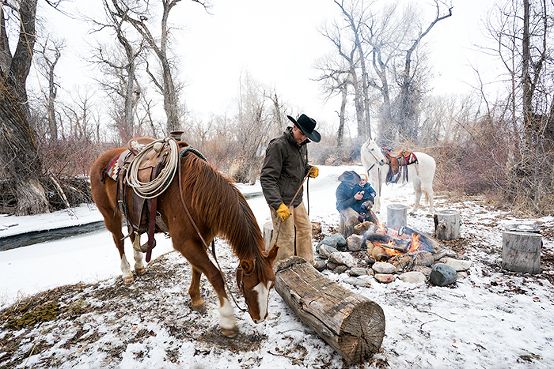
[
  {"x": 350, "y": 323},
  {"x": 521, "y": 251},
  {"x": 396, "y": 215},
  {"x": 268, "y": 233},
  {"x": 447, "y": 224}
]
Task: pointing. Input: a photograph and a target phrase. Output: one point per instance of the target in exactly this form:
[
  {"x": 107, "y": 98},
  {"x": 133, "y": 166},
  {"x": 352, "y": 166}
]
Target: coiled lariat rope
[{"x": 155, "y": 187}]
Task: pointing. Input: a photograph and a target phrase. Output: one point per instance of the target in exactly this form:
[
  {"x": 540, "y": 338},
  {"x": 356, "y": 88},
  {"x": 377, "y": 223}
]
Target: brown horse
[{"x": 218, "y": 209}]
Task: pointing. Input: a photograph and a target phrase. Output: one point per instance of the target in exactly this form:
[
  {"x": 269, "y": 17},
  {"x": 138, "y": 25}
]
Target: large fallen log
[{"x": 350, "y": 323}]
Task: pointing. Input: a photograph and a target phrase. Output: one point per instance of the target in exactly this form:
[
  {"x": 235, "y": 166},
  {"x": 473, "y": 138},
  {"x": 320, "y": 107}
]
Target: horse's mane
[{"x": 222, "y": 207}]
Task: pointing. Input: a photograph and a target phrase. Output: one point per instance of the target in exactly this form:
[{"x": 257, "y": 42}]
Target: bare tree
[
  {"x": 21, "y": 165},
  {"x": 139, "y": 15},
  {"x": 50, "y": 53},
  {"x": 410, "y": 87}
]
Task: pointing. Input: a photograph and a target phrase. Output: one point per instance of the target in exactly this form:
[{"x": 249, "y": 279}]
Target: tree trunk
[
  {"x": 521, "y": 252},
  {"x": 19, "y": 153},
  {"x": 350, "y": 323},
  {"x": 18, "y": 148},
  {"x": 447, "y": 225}
]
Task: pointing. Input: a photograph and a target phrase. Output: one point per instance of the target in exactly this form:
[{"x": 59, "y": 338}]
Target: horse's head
[
  {"x": 371, "y": 154},
  {"x": 255, "y": 279}
]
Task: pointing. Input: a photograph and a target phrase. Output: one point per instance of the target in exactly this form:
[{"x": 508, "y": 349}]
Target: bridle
[{"x": 377, "y": 161}]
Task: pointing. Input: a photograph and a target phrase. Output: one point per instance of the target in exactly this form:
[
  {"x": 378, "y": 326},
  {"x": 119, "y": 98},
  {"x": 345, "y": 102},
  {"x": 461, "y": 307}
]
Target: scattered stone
[
  {"x": 412, "y": 277},
  {"x": 424, "y": 258},
  {"x": 320, "y": 265},
  {"x": 357, "y": 271},
  {"x": 326, "y": 250},
  {"x": 384, "y": 278},
  {"x": 358, "y": 282},
  {"x": 458, "y": 265},
  {"x": 354, "y": 242},
  {"x": 422, "y": 269},
  {"x": 462, "y": 275},
  {"x": 383, "y": 268},
  {"x": 442, "y": 275},
  {"x": 339, "y": 239},
  {"x": 340, "y": 269},
  {"x": 331, "y": 265},
  {"x": 343, "y": 258}
]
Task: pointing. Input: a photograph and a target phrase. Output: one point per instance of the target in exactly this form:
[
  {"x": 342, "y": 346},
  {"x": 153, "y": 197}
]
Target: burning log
[{"x": 350, "y": 323}]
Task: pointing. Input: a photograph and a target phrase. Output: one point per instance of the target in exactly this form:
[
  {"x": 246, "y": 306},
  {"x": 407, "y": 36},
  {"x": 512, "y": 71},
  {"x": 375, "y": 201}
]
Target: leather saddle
[
  {"x": 140, "y": 214},
  {"x": 398, "y": 161}
]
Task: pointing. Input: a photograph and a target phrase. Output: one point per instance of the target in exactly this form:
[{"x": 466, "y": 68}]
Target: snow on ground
[{"x": 491, "y": 319}]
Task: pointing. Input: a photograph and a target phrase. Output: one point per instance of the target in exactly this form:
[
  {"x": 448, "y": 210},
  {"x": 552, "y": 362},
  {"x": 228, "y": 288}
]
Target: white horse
[{"x": 420, "y": 173}]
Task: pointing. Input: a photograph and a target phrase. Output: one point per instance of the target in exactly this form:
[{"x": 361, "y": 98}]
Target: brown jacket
[{"x": 284, "y": 169}]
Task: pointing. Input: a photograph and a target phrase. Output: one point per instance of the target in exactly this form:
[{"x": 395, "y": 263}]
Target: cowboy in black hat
[{"x": 284, "y": 170}]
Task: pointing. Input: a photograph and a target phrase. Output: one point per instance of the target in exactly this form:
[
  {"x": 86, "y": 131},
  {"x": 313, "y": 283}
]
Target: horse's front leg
[
  {"x": 201, "y": 263},
  {"x": 140, "y": 269}
]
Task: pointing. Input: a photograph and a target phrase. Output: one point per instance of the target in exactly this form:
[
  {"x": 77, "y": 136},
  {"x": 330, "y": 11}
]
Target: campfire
[{"x": 403, "y": 247}]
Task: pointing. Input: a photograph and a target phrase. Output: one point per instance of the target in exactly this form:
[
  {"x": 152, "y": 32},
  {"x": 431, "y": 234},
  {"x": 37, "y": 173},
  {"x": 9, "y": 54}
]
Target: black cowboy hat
[
  {"x": 307, "y": 125},
  {"x": 350, "y": 177}
]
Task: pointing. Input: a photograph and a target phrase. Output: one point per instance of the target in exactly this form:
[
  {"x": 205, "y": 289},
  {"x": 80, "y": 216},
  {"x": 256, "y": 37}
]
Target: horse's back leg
[
  {"x": 114, "y": 224},
  {"x": 428, "y": 188},
  {"x": 417, "y": 189},
  {"x": 194, "y": 290}
]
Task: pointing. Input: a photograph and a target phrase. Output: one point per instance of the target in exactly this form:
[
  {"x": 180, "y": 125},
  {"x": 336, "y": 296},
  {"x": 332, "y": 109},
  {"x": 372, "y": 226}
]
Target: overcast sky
[{"x": 277, "y": 42}]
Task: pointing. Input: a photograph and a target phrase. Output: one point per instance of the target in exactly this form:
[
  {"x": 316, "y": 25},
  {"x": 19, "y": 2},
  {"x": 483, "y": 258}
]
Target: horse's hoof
[
  {"x": 128, "y": 280},
  {"x": 140, "y": 271},
  {"x": 201, "y": 309},
  {"x": 231, "y": 333}
]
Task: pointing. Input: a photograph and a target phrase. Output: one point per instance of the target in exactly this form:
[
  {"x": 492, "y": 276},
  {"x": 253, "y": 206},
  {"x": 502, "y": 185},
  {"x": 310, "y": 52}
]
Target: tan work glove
[
  {"x": 283, "y": 212},
  {"x": 314, "y": 171}
]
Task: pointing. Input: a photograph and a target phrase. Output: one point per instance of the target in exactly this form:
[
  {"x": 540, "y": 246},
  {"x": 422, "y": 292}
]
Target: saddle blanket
[
  {"x": 410, "y": 159},
  {"x": 113, "y": 168}
]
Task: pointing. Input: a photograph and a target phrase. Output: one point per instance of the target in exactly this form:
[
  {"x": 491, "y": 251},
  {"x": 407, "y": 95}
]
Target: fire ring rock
[
  {"x": 442, "y": 275},
  {"x": 383, "y": 268}
]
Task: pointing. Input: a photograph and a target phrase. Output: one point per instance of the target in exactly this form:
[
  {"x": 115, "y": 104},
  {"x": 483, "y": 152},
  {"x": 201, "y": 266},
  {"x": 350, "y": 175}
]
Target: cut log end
[
  {"x": 352, "y": 324},
  {"x": 362, "y": 332}
]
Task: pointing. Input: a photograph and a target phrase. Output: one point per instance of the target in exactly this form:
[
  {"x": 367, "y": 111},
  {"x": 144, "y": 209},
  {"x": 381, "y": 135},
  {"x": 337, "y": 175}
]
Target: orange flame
[{"x": 415, "y": 242}]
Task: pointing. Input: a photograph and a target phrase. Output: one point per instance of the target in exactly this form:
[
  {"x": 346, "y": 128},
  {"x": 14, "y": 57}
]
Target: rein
[
  {"x": 291, "y": 201},
  {"x": 212, "y": 251}
]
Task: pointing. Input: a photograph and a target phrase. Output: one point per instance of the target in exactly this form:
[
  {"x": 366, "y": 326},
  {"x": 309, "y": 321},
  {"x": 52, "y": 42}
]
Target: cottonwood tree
[
  {"x": 523, "y": 31},
  {"x": 21, "y": 165},
  {"x": 335, "y": 79},
  {"x": 345, "y": 35},
  {"x": 50, "y": 52},
  {"x": 140, "y": 15},
  {"x": 382, "y": 48},
  {"x": 119, "y": 62}
]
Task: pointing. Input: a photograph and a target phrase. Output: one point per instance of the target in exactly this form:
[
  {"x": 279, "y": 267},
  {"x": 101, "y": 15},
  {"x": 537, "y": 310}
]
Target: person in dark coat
[
  {"x": 283, "y": 172},
  {"x": 367, "y": 199},
  {"x": 349, "y": 202}
]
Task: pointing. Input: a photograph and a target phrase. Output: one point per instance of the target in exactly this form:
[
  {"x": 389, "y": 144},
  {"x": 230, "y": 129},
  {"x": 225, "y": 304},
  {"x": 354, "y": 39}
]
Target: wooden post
[
  {"x": 521, "y": 251},
  {"x": 350, "y": 323},
  {"x": 396, "y": 215},
  {"x": 268, "y": 233},
  {"x": 447, "y": 224}
]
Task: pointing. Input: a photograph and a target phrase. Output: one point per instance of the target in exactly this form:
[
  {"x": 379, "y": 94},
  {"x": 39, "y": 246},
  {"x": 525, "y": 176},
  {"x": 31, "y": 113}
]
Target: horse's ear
[
  {"x": 272, "y": 254},
  {"x": 247, "y": 266}
]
